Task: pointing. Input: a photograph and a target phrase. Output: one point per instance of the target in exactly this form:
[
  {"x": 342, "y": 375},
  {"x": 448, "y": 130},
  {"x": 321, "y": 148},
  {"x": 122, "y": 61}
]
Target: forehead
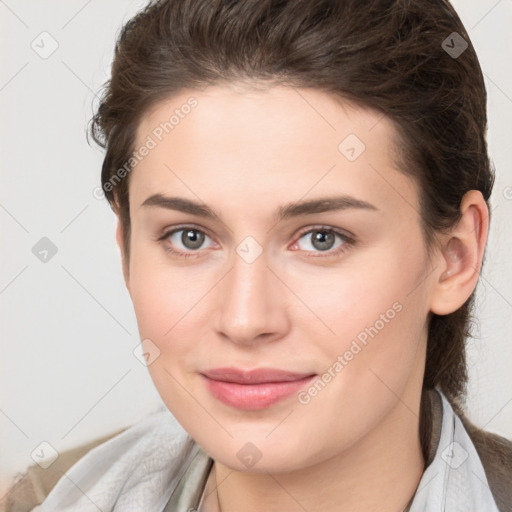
[
  {"x": 236, "y": 139},
  {"x": 246, "y": 109}
]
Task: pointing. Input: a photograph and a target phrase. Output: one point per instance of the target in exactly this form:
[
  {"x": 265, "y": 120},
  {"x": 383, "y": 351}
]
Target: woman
[{"x": 302, "y": 191}]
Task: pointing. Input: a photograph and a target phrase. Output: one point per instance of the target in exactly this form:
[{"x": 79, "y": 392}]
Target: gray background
[{"x": 67, "y": 369}]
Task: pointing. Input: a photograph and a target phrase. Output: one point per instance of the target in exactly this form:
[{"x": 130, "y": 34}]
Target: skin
[{"x": 244, "y": 153}]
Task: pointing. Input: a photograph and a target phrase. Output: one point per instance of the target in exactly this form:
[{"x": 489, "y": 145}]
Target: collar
[{"x": 455, "y": 480}]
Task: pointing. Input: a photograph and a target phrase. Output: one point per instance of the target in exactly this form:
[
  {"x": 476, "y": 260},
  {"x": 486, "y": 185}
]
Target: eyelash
[{"x": 348, "y": 241}]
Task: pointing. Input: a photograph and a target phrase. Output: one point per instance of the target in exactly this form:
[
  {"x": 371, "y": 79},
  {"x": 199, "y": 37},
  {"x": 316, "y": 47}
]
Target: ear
[
  {"x": 124, "y": 262},
  {"x": 460, "y": 257}
]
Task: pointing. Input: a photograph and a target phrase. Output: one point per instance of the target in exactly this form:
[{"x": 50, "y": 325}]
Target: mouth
[{"x": 253, "y": 389}]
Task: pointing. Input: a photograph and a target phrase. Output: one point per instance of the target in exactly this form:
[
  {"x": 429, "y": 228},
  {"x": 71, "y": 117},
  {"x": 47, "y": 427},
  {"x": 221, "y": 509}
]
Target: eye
[
  {"x": 323, "y": 239},
  {"x": 184, "y": 241}
]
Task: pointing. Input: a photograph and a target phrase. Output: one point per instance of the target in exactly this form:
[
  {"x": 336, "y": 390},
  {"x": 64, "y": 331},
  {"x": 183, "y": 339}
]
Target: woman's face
[{"x": 338, "y": 288}]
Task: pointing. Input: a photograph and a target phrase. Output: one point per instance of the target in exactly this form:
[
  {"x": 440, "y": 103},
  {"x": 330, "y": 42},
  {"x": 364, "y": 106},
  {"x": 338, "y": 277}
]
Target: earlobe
[{"x": 460, "y": 257}]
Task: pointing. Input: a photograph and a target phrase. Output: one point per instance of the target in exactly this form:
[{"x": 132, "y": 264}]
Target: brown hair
[{"x": 389, "y": 55}]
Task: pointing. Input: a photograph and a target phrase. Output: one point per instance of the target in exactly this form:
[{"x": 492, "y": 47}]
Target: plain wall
[{"x": 67, "y": 369}]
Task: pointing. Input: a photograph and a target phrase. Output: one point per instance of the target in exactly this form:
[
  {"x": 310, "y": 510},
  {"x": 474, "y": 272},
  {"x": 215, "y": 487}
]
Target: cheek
[
  {"x": 342, "y": 302},
  {"x": 167, "y": 305},
  {"x": 377, "y": 355},
  {"x": 171, "y": 304},
  {"x": 162, "y": 294},
  {"x": 373, "y": 323},
  {"x": 164, "y": 302}
]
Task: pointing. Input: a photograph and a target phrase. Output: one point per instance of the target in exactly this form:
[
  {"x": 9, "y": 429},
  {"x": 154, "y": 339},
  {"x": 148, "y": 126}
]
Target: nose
[{"x": 251, "y": 302}]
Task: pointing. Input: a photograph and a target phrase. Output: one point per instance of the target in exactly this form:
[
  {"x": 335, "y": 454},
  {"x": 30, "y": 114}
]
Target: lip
[
  {"x": 253, "y": 389},
  {"x": 256, "y": 376}
]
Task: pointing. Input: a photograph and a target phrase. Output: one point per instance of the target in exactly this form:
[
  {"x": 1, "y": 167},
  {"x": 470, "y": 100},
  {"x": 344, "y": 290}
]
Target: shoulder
[
  {"x": 31, "y": 487},
  {"x": 495, "y": 453},
  {"x": 141, "y": 462}
]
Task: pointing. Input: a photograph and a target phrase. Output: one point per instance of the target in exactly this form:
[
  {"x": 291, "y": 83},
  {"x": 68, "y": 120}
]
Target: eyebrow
[{"x": 287, "y": 211}]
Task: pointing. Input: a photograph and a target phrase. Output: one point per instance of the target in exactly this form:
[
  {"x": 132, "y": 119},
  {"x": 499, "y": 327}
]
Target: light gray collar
[{"x": 455, "y": 481}]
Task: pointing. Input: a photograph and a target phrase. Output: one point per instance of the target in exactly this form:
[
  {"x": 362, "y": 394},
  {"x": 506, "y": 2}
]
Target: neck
[{"x": 381, "y": 472}]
